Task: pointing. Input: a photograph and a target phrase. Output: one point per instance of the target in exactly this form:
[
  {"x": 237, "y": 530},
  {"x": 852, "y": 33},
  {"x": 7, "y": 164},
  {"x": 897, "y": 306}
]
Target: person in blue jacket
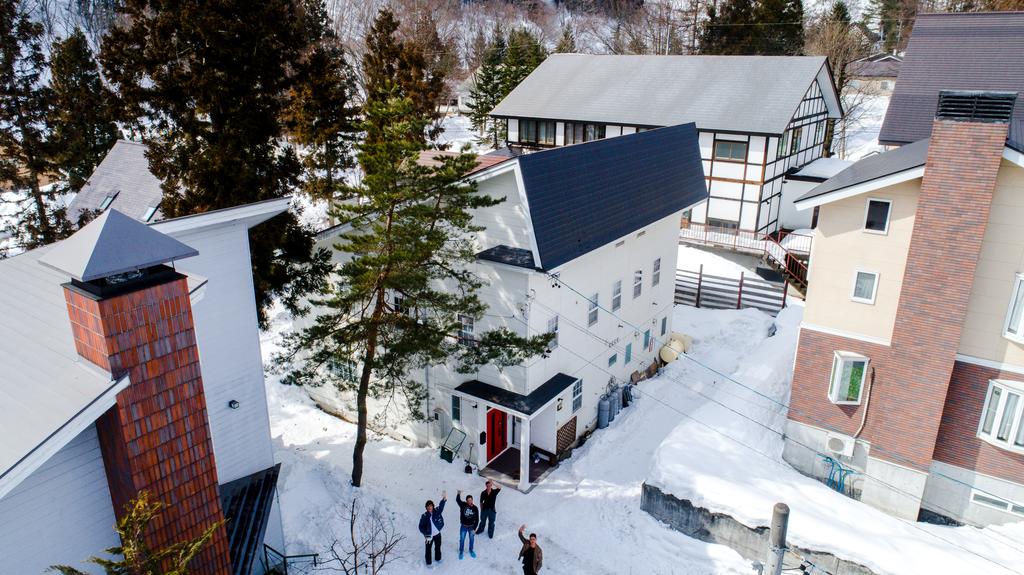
[{"x": 431, "y": 523}]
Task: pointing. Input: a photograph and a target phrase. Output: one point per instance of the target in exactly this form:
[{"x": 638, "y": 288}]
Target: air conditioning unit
[{"x": 840, "y": 444}]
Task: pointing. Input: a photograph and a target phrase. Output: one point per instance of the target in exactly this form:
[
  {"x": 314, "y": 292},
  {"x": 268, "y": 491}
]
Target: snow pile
[
  {"x": 725, "y": 455},
  {"x": 716, "y": 263},
  {"x": 862, "y": 133}
]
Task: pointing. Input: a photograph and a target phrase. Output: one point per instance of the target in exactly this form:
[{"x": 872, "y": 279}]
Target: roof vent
[{"x": 987, "y": 107}]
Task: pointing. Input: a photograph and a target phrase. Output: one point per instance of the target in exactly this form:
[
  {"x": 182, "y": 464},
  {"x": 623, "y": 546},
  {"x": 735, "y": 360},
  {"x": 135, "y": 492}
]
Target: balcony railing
[{"x": 786, "y": 252}]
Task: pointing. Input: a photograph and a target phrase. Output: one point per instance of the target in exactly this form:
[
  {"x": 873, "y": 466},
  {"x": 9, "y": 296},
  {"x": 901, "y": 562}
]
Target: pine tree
[
  {"x": 321, "y": 115},
  {"x": 25, "y": 161},
  {"x": 82, "y": 116},
  {"x": 567, "y": 43},
  {"x": 779, "y": 29},
  {"x": 206, "y": 84},
  {"x": 487, "y": 91},
  {"x": 524, "y": 53},
  {"x": 134, "y": 555},
  {"x": 390, "y": 63},
  {"x": 728, "y": 28},
  {"x": 411, "y": 238},
  {"x": 753, "y": 27}
]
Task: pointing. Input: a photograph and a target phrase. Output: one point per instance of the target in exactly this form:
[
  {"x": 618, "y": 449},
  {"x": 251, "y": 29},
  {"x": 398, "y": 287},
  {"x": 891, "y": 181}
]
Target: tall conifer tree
[{"x": 487, "y": 91}]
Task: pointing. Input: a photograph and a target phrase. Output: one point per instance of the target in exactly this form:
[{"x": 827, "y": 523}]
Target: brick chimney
[
  {"x": 968, "y": 136},
  {"x": 130, "y": 314}
]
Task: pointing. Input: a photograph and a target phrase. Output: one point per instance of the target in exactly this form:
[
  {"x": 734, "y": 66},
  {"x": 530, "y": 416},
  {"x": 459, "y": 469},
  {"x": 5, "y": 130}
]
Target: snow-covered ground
[{"x": 862, "y": 134}]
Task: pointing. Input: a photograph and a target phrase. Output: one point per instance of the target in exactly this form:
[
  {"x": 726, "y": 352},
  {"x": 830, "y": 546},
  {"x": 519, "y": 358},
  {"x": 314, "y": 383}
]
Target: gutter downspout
[{"x": 867, "y": 401}]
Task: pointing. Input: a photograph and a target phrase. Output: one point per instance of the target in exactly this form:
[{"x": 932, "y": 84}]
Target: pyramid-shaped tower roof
[{"x": 111, "y": 244}]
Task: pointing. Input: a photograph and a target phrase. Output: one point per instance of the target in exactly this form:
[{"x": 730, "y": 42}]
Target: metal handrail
[{"x": 744, "y": 240}]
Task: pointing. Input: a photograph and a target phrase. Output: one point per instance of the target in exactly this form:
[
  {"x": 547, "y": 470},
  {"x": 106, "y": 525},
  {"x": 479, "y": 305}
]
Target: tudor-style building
[
  {"x": 759, "y": 118},
  {"x": 132, "y": 363},
  {"x": 585, "y": 246}
]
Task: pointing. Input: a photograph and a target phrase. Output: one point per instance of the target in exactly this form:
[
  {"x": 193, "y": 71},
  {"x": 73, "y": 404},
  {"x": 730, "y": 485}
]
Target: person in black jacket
[
  {"x": 487, "y": 511},
  {"x": 431, "y": 524},
  {"x": 469, "y": 517}
]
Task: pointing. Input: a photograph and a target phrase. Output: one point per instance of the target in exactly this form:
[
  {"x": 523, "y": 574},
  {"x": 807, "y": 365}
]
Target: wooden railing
[
  {"x": 697, "y": 289},
  {"x": 787, "y": 253}
]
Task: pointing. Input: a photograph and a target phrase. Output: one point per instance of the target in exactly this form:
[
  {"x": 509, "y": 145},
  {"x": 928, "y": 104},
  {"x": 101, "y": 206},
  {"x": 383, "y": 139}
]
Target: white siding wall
[
  {"x": 61, "y": 513},
  {"x": 505, "y": 223}
]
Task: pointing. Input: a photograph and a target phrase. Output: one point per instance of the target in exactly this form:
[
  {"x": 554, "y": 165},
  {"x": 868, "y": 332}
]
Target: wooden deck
[{"x": 505, "y": 468}]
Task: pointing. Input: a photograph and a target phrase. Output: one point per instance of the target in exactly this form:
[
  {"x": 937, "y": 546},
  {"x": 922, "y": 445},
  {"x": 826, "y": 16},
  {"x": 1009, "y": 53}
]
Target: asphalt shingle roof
[
  {"x": 525, "y": 404},
  {"x": 872, "y": 168},
  {"x": 756, "y": 94},
  {"x": 584, "y": 196},
  {"x": 957, "y": 51},
  {"x": 123, "y": 173}
]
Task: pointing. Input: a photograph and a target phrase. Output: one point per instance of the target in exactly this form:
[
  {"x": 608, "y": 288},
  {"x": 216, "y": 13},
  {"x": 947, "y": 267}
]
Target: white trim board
[
  {"x": 249, "y": 214},
  {"x": 1011, "y": 155},
  {"x": 1007, "y": 367},
  {"x": 846, "y": 334},
  {"x": 861, "y": 188}
]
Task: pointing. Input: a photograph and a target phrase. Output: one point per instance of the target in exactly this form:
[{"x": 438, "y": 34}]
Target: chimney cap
[{"x": 112, "y": 244}]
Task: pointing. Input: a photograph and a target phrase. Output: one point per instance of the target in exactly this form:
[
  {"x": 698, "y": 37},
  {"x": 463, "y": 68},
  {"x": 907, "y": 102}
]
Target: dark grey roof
[
  {"x": 123, "y": 173},
  {"x": 874, "y": 68},
  {"x": 524, "y": 404},
  {"x": 113, "y": 243},
  {"x": 246, "y": 503},
  {"x": 503, "y": 254},
  {"x": 756, "y": 94},
  {"x": 873, "y": 168},
  {"x": 1015, "y": 139},
  {"x": 961, "y": 51},
  {"x": 584, "y": 196}
]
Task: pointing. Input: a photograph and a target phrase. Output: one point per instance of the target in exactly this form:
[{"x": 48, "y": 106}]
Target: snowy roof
[
  {"x": 820, "y": 169},
  {"x": 871, "y": 169},
  {"x": 876, "y": 66},
  {"x": 584, "y": 196},
  {"x": 44, "y": 386},
  {"x": 113, "y": 243},
  {"x": 757, "y": 94},
  {"x": 953, "y": 51},
  {"x": 123, "y": 175}
]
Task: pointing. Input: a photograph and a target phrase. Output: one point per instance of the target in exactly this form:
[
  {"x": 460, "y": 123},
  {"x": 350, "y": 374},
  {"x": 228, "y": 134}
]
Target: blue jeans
[
  {"x": 463, "y": 531},
  {"x": 487, "y": 517}
]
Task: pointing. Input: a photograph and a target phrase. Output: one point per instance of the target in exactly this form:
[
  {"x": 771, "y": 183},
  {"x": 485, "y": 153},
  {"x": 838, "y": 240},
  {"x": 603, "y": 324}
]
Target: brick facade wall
[
  {"x": 913, "y": 374},
  {"x": 958, "y": 443},
  {"x": 157, "y": 437}
]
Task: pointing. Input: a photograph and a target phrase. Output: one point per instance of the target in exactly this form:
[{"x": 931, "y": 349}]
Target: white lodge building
[
  {"x": 759, "y": 119},
  {"x": 584, "y": 245}
]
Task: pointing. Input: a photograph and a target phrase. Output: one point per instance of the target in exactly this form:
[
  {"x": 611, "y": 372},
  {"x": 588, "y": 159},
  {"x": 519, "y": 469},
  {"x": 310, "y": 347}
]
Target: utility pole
[{"x": 777, "y": 539}]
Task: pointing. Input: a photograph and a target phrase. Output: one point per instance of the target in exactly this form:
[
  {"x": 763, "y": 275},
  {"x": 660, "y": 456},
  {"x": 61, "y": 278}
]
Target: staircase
[{"x": 787, "y": 253}]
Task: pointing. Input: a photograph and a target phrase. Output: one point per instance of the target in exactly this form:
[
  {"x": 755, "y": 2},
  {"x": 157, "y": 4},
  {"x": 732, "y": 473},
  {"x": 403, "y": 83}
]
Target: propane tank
[{"x": 603, "y": 410}]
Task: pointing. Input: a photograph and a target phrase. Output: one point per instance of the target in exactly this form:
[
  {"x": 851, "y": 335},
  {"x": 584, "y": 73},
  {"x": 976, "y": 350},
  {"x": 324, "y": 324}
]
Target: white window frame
[
  {"x": 888, "y": 216},
  {"x": 467, "y": 330},
  {"x": 991, "y": 437},
  {"x": 616, "y": 295},
  {"x": 656, "y": 272},
  {"x": 842, "y": 357},
  {"x": 592, "y": 310},
  {"x": 638, "y": 283},
  {"x": 874, "y": 289},
  {"x": 628, "y": 357},
  {"x": 613, "y": 359},
  {"x": 577, "y": 395},
  {"x": 1018, "y": 286},
  {"x": 553, "y": 328},
  {"x": 1007, "y": 508},
  {"x": 456, "y": 406}
]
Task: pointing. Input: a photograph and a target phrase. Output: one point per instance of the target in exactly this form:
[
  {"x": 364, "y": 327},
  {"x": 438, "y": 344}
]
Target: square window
[
  {"x": 592, "y": 310},
  {"x": 847, "y": 380},
  {"x": 877, "y": 217},
  {"x": 730, "y": 151},
  {"x": 553, "y": 328},
  {"x": 1014, "y": 328},
  {"x": 865, "y": 287},
  {"x": 656, "y": 272},
  {"x": 456, "y": 408},
  {"x": 638, "y": 283},
  {"x": 616, "y": 295},
  {"x": 613, "y": 359},
  {"x": 1002, "y": 418},
  {"x": 629, "y": 353},
  {"x": 577, "y": 395}
]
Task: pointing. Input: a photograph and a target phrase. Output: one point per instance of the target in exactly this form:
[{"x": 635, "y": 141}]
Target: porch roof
[{"x": 524, "y": 404}]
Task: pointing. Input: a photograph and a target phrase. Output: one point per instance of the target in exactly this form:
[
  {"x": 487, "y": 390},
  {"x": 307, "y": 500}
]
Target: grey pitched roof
[
  {"x": 741, "y": 93},
  {"x": 584, "y": 196},
  {"x": 113, "y": 243},
  {"x": 525, "y": 404},
  {"x": 123, "y": 173},
  {"x": 1015, "y": 138},
  {"x": 873, "y": 168},
  {"x": 43, "y": 384},
  {"x": 961, "y": 51}
]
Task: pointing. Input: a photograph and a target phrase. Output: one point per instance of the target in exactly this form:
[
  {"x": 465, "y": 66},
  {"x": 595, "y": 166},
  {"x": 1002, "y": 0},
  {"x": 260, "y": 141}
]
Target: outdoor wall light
[
  {"x": 233, "y": 404},
  {"x": 559, "y": 404}
]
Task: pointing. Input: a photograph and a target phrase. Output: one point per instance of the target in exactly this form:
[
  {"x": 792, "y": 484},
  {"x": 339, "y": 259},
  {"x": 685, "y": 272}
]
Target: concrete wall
[
  {"x": 948, "y": 493},
  {"x": 60, "y": 514},
  {"x": 1001, "y": 259},
  {"x": 750, "y": 542},
  {"x": 842, "y": 246}
]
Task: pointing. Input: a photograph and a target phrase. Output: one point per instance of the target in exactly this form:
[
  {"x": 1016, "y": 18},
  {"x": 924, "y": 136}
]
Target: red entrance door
[{"x": 497, "y": 437}]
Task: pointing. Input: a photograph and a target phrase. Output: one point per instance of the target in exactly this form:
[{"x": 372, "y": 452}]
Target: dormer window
[
  {"x": 876, "y": 218},
  {"x": 150, "y": 212},
  {"x": 109, "y": 199}
]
